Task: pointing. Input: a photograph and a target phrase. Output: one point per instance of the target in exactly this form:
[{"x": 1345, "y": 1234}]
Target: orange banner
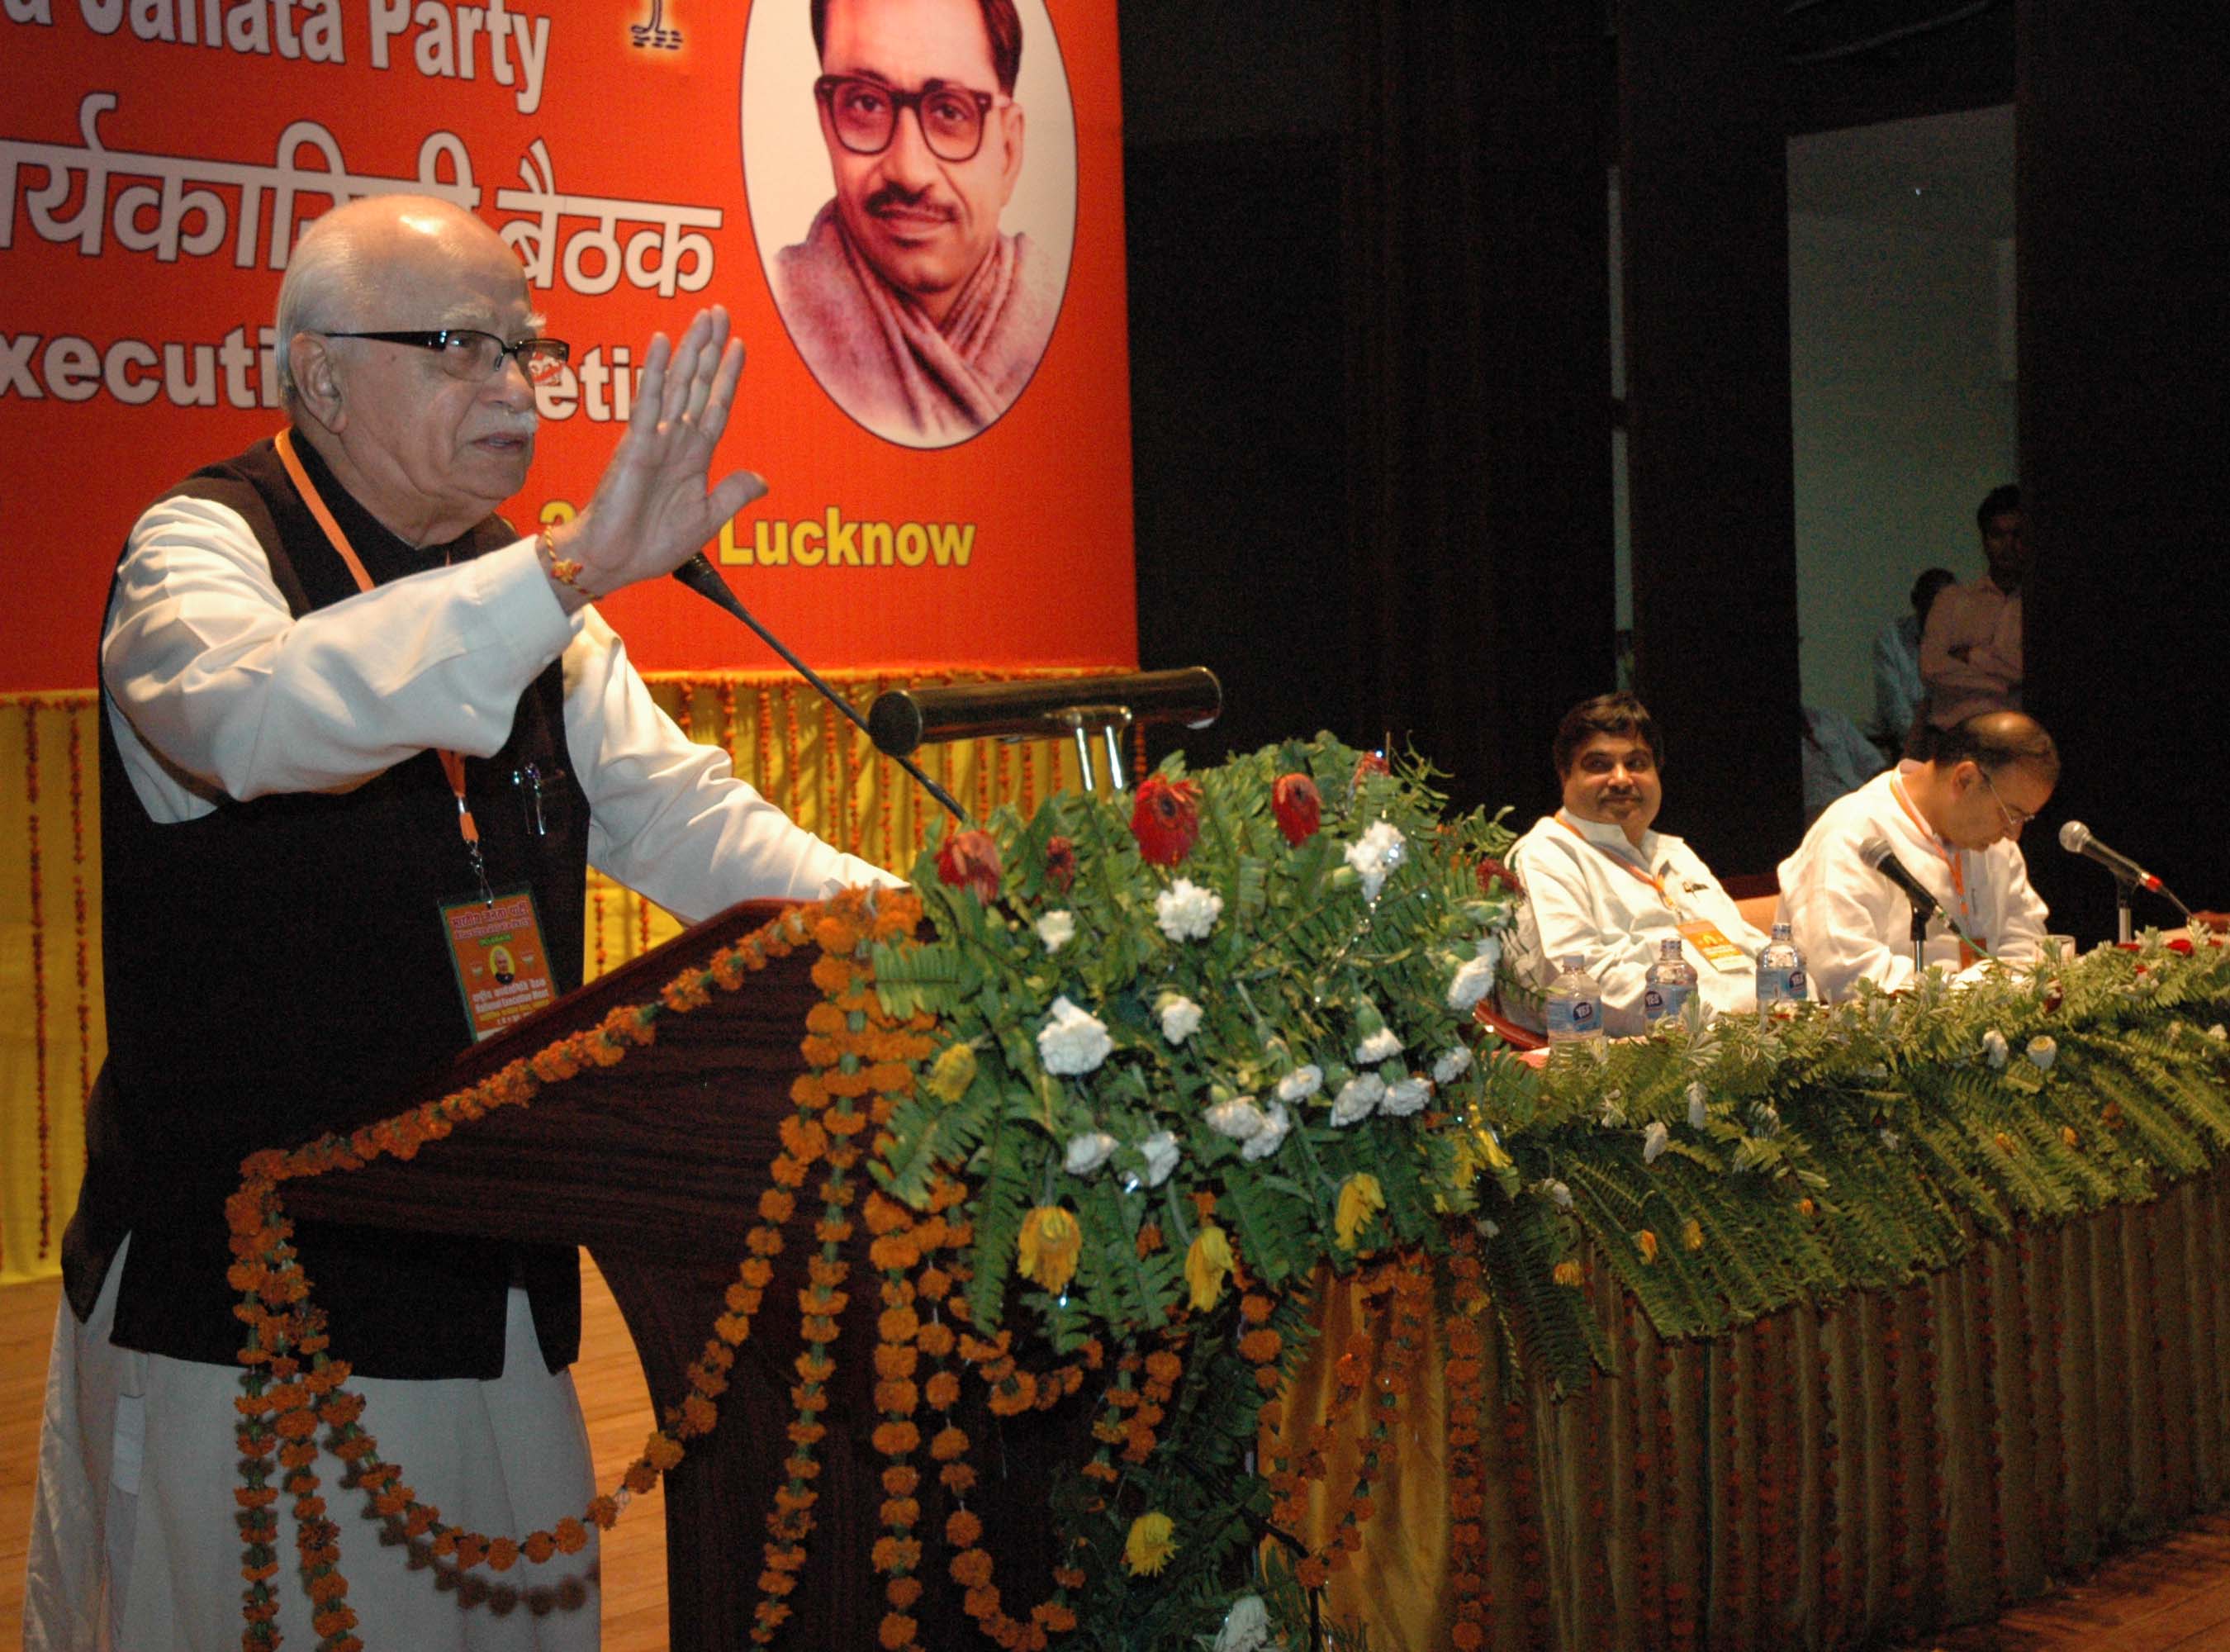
[{"x": 917, "y": 224}]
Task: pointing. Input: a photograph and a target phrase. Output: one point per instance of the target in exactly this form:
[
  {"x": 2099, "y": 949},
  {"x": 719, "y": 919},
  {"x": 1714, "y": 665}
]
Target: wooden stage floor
[{"x": 2173, "y": 1596}]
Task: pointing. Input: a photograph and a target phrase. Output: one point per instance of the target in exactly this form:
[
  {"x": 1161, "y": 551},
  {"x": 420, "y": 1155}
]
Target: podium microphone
[
  {"x": 701, "y": 576},
  {"x": 2075, "y": 837}
]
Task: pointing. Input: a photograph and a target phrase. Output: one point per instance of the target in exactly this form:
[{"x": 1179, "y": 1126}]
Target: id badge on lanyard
[
  {"x": 494, "y": 940},
  {"x": 502, "y": 967}
]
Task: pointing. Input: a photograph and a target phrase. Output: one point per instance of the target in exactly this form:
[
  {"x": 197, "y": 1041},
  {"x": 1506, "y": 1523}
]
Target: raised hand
[{"x": 654, "y": 506}]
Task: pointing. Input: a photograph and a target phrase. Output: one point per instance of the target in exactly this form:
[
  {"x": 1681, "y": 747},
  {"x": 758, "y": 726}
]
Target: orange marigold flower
[
  {"x": 971, "y": 1568},
  {"x": 896, "y": 1439},
  {"x": 942, "y": 1390},
  {"x": 901, "y": 1512},
  {"x": 1163, "y": 1367},
  {"x": 896, "y": 1553},
  {"x": 903, "y": 1591},
  {"x": 898, "y": 1395},
  {"x": 897, "y": 1631},
  {"x": 661, "y": 1452},
  {"x": 1309, "y": 1572},
  {"x": 958, "y": 1478},
  {"x": 949, "y": 1444}
]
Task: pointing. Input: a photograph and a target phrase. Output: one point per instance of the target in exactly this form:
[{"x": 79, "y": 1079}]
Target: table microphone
[
  {"x": 2075, "y": 837},
  {"x": 1879, "y": 856}
]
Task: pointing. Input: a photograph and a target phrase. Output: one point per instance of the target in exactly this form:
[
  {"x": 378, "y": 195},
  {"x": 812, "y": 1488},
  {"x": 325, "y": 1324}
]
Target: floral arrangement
[{"x": 1166, "y": 1061}]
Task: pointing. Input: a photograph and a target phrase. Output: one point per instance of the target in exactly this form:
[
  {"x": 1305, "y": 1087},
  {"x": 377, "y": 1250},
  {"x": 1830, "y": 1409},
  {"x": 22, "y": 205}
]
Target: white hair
[{"x": 323, "y": 290}]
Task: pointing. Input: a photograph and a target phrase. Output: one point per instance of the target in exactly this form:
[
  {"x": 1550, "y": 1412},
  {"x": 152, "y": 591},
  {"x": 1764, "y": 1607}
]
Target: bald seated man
[
  {"x": 1955, "y": 822},
  {"x": 320, "y": 659}
]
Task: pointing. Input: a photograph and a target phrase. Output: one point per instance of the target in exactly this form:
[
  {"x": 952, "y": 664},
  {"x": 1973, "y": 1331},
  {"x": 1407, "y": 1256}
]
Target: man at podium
[{"x": 361, "y": 740}]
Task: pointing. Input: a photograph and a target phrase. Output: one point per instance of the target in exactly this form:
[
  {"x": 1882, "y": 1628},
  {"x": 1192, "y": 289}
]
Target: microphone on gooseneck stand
[
  {"x": 1877, "y": 855},
  {"x": 701, "y": 576},
  {"x": 2075, "y": 837}
]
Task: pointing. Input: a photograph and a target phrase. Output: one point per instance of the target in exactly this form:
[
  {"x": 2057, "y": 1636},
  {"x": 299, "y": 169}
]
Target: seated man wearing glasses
[
  {"x": 349, "y": 716},
  {"x": 915, "y": 314},
  {"x": 1954, "y": 822}
]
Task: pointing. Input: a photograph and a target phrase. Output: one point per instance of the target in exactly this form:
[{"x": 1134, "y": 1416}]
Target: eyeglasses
[
  {"x": 473, "y": 356},
  {"x": 2014, "y": 818},
  {"x": 865, "y": 114}
]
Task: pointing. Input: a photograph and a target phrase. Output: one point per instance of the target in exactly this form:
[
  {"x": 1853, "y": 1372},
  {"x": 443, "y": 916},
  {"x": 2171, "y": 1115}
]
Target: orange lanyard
[
  {"x": 1622, "y": 864},
  {"x": 1955, "y": 860},
  {"x": 452, "y": 765}
]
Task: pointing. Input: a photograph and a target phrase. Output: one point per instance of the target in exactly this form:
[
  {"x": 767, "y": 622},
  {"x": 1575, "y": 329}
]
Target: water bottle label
[
  {"x": 1780, "y": 985},
  {"x": 1572, "y": 1017},
  {"x": 1663, "y": 1000}
]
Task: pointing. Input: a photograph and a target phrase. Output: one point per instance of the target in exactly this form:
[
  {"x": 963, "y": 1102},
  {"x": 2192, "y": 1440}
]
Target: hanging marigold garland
[
  {"x": 1466, "y": 1376},
  {"x": 1827, "y": 1334},
  {"x": 292, "y": 1386},
  {"x": 1986, "y": 1384},
  {"x": 38, "y": 928}
]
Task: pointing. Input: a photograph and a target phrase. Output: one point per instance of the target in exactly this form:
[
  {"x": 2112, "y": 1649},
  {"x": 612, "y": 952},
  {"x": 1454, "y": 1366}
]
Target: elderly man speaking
[{"x": 347, "y": 710}]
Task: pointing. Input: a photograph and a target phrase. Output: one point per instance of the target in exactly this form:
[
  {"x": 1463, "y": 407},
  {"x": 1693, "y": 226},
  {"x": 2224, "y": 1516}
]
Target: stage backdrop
[
  {"x": 157, "y": 157},
  {"x": 158, "y": 160}
]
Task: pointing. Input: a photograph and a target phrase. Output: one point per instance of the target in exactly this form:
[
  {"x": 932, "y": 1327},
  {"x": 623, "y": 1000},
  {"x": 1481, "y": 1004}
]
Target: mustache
[
  {"x": 512, "y": 424},
  {"x": 891, "y": 198}
]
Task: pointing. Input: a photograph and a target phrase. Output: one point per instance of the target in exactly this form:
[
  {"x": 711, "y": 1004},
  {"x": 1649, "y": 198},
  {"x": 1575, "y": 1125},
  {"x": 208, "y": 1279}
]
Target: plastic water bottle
[
  {"x": 1572, "y": 1009},
  {"x": 1780, "y": 977},
  {"x": 1669, "y": 985}
]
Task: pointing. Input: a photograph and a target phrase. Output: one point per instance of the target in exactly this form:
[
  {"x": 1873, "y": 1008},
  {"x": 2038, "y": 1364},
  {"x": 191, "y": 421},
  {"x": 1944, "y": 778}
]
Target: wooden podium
[{"x": 655, "y": 1165}]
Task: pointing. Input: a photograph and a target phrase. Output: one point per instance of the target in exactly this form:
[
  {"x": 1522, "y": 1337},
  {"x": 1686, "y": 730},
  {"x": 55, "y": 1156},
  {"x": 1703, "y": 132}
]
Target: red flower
[
  {"x": 1060, "y": 863},
  {"x": 1370, "y": 763},
  {"x": 971, "y": 860},
  {"x": 1492, "y": 871},
  {"x": 1298, "y": 806},
  {"x": 1166, "y": 819}
]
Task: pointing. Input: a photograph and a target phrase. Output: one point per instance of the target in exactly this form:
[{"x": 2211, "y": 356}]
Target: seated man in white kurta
[
  {"x": 1600, "y": 883},
  {"x": 1955, "y": 823}
]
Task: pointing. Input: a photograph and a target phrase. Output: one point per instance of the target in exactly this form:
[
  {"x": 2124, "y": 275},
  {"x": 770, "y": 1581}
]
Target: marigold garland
[{"x": 1466, "y": 1375}]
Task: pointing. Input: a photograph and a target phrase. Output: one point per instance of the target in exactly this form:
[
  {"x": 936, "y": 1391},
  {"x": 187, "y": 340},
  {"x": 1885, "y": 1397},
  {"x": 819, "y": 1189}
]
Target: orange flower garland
[
  {"x": 292, "y": 1387},
  {"x": 1465, "y": 1374}
]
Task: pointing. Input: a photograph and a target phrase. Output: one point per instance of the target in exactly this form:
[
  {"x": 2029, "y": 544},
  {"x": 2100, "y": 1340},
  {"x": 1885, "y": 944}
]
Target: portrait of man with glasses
[{"x": 916, "y": 312}]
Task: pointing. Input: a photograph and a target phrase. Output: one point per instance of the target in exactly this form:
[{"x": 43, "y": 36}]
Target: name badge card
[
  {"x": 1718, "y": 951},
  {"x": 503, "y": 968}
]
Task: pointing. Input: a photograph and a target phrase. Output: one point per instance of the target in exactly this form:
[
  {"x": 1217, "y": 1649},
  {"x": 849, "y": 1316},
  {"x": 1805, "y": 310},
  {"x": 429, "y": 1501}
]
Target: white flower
[
  {"x": 1072, "y": 1040},
  {"x": 1187, "y": 911},
  {"x": 1452, "y": 1064},
  {"x": 1245, "y": 1627},
  {"x": 1699, "y": 1104},
  {"x": 1180, "y": 1016},
  {"x": 2218, "y": 1032},
  {"x": 1087, "y": 1153},
  {"x": 1489, "y": 1228},
  {"x": 1374, "y": 855},
  {"x": 1473, "y": 982},
  {"x": 1490, "y": 946},
  {"x": 1381, "y": 1046},
  {"x": 1301, "y": 1083},
  {"x": 1056, "y": 930},
  {"x": 1160, "y": 1152},
  {"x": 1270, "y": 1138},
  {"x": 1993, "y": 1048},
  {"x": 1404, "y": 1096},
  {"x": 1357, "y": 1098},
  {"x": 1559, "y": 1192},
  {"x": 2043, "y": 1052},
  {"x": 1892, "y": 1140},
  {"x": 1653, "y": 1142},
  {"x": 1240, "y": 1120}
]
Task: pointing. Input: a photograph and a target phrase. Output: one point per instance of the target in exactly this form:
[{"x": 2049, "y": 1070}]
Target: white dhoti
[{"x": 135, "y": 1543}]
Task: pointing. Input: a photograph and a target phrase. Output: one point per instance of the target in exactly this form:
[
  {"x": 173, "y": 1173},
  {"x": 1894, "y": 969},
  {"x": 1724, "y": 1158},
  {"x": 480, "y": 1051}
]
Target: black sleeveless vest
[{"x": 276, "y": 969}]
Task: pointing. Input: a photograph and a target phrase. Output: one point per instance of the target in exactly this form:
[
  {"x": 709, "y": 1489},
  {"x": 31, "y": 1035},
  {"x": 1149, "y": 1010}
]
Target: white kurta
[
  {"x": 1852, "y": 923},
  {"x": 1586, "y": 897},
  {"x": 215, "y": 690}
]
